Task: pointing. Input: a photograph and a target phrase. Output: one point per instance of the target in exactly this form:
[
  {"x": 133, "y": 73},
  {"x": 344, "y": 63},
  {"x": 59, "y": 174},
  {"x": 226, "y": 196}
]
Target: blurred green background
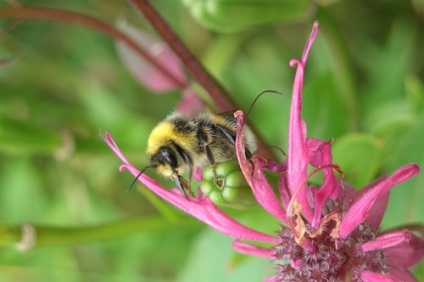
[{"x": 60, "y": 84}]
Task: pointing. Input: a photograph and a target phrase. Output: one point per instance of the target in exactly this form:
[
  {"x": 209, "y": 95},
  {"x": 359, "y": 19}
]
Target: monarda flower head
[{"x": 329, "y": 232}]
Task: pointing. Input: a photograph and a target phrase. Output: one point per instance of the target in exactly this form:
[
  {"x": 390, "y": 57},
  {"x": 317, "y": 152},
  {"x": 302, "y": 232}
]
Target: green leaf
[
  {"x": 235, "y": 15},
  {"x": 359, "y": 156},
  {"x": 406, "y": 200},
  {"x": 325, "y": 113},
  {"x": 392, "y": 127},
  {"x": 388, "y": 67},
  {"x": 21, "y": 195}
]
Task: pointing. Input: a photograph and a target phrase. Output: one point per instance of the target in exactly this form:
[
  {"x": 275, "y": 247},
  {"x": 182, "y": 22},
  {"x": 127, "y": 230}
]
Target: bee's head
[{"x": 165, "y": 161}]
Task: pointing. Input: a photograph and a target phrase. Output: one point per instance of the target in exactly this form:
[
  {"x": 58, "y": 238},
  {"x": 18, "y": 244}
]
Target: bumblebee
[{"x": 178, "y": 144}]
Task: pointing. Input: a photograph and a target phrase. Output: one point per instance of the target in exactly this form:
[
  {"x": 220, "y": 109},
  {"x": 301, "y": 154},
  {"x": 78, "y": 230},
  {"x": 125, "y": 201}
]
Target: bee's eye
[{"x": 167, "y": 156}]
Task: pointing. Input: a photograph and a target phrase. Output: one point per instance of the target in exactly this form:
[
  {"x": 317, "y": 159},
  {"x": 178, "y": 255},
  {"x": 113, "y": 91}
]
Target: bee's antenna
[
  {"x": 279, "y": 149},
  {"x": 136, "y": 178},
  {"x": 256, "y": 99}
]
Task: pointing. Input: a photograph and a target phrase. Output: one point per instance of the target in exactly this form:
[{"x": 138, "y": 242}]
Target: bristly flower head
[{"x": 329, "y": 232}]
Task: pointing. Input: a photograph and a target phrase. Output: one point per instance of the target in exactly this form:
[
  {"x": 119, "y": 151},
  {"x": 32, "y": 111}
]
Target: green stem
[
  {"x": 196, "y": 69},
  {"x": 53, "y": 235}
]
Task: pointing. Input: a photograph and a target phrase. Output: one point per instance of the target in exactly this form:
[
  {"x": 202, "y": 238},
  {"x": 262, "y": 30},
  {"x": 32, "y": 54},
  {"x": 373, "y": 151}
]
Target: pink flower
[
  {"x": 328, "y": 233},
  {"x": 163, "y": 71}
]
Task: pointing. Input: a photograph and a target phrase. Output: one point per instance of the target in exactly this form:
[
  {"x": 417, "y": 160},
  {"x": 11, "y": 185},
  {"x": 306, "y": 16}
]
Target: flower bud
[{"x": 229, "y": 189}]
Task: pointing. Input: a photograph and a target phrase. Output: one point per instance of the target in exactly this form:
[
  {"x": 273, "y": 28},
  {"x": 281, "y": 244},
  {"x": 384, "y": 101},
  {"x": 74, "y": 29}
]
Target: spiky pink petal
[
  {"x": 201, "y": 208},
  {"x": 285, "y": 194},
  {"x": 388, "y": 240},
  {"x": 249, "y": 249},
  {"x": 377, "y": 212},
  {"x": 402, "y": 275},
  {"x": 362, "y": 208},
  {"x": 320, "y": 157},
  {"x": 198, "y": 174},
  {"x": 407, "y": 254},
  {"x": 255, "y": 177},
  {"x": 297, "y": 151},
  {"x": 368, "y": 276}
]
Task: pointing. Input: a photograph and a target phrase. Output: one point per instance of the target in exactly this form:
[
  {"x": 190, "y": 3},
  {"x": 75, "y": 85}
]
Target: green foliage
[
  {"x": 358, "y": 171},
  {"x": 235, "y": 15}
]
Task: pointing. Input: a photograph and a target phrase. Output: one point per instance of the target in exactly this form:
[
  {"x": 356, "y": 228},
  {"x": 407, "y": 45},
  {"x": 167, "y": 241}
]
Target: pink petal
[
  {"x": 249, "y": 249},
  {"x": 297, "y": 160},
  {"x": 311, "y": 40},
  {"x": 190, "y": 104},
  {"x": 171, "y": 76},
  {"x": 387, "y": 240},
  {"x": 362, "y": 208},
  {"x": 368, "y": 276},
  {"x": 111, "y": 143},
  {"x": 285, "y": 194},
  {"x": 403, "y": 275},
  {"x": 198, "y": 174},
  {"x": 297, "y": 152},
  {"x": 201, "y": 208},
  {"x": 320, "y": 156},
  {"x": 377, "y": 212},
  {"x": 256, "y": 179},
  {"x": 409, "y": 254}
]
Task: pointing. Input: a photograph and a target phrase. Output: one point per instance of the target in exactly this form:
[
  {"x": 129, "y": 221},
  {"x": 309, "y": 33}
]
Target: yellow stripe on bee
[{"x": 164, "y": 133}]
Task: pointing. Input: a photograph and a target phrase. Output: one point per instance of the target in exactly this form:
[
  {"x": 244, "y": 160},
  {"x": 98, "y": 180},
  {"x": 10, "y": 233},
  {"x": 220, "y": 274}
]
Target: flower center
[{"x": 332, "y": 259}]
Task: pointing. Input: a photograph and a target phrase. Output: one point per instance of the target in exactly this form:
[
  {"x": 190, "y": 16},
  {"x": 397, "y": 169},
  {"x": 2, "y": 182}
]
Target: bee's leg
[
  {"x": 190, "y": 177},
  {"x": 211, "y": 159},
  {"x": 189, "y": 162},
  {"x": 204, "y": 143},
  {"x": 181, "y": 184},
  {"x": 219, "y": 182}
]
